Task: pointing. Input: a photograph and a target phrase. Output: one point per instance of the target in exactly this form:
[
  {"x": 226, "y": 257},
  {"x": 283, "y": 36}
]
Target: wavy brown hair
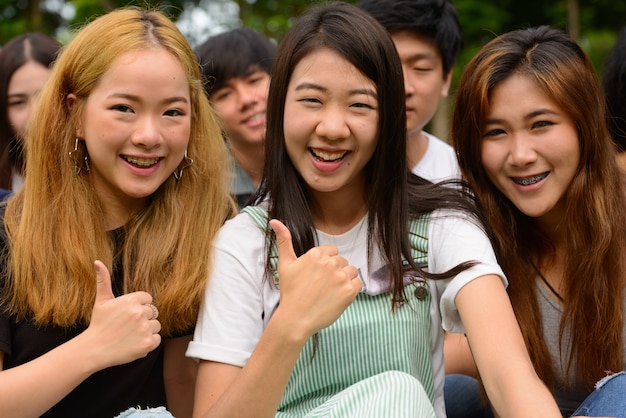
[
  {"x": 594, "y": 220},
  {"x": 56, "y": 225}
]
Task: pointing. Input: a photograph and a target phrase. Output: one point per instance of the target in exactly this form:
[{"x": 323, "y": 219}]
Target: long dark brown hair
[{"x": 393, "y": 195}]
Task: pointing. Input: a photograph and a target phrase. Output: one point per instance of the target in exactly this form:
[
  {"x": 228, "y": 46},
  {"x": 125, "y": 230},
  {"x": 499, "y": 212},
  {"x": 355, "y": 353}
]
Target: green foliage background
[{"x": 597, "y": 24}]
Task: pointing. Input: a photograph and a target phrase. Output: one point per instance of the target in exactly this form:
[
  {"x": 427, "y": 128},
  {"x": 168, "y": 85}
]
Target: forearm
[
  {"x": 31, "y": 389},
  {"x": 520, "y": 396},
  {"x": 458, "y": 356},
  {"x": 179, "y": 376},
  {"x": 256, "y": 389},
  {"x": 500, "y": 352}
]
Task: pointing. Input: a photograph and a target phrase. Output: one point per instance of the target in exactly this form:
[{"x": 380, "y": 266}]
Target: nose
[
  {"x": 522, "y": 151},
  {"x": 332, "y": 124},
  {"x": 408, "y": 86},
  {"x": 147, "y": 133},
  {"x": 248, "y": 96}
]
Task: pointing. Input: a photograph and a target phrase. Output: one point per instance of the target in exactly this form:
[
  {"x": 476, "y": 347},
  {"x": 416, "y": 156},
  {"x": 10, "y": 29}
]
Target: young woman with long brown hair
[{"x": 530, "y": 130}]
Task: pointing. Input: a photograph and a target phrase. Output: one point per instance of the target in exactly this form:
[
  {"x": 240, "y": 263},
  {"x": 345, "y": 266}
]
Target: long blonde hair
[{"x": 55, "y": 224}]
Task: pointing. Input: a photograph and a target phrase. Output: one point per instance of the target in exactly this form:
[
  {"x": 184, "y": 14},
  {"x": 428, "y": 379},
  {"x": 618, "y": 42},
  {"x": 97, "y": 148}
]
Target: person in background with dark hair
[
  {"x": 529, "y": 126},
  {"x": 236, "y": 65},
  {"x": 335, "y": 314},
  {"x": 427, "y": 35},
  {"x": 614, "y": 84},
  {"x": 25, "y": 63}
]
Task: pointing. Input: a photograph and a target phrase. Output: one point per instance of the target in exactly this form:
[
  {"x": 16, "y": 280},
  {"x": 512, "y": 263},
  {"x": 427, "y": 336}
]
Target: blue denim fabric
[
  {"x": 608, "y": 400},
  {"x": 462, "y": 397},
  {"x": 159, "y": 412}
]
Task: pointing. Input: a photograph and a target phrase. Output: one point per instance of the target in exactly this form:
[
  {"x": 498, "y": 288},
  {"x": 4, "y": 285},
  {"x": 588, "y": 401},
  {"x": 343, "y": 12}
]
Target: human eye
[
  {"x": 255, "y": 80},
  {"x": 310, "y": 100},
  {"x": 122, "y": 108},
  {"x": 362, "y": 105},
  {"x": 494, "y": 132},
  {"x": 174, "y": 112},
  {"x": 542, "y": 124},
  {"x": 17, "y": 102},
  {"x": 221, "y": 94},
  {"x": 422, "y": 68}
]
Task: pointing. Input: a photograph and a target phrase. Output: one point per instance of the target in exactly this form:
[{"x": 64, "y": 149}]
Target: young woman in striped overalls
[{"x": 373, "y": 263}]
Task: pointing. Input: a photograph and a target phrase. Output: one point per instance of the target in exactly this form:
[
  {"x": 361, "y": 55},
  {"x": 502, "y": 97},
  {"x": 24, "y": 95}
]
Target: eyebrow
[
  {"x": 531, "y": 115},
  {"x": 420, "y": 56},
  {"x": 313, "y": 86},
  {"x": 134, "y": 98}
]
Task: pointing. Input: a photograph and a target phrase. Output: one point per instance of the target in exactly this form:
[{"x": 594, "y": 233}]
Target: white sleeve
[
  {"x": 233, "y": 312},
  {"x": 455, "y": 238}
]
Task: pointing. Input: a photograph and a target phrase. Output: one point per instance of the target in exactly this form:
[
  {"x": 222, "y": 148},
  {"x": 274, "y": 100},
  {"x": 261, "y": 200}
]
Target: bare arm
[
  {"x": 120, "y": 331},
  {"x": 494, "y": 335},
  {"x": 179, "y": 375},
  {"x": 457, "y": 355},
  {"x": 314, "y": 290}
]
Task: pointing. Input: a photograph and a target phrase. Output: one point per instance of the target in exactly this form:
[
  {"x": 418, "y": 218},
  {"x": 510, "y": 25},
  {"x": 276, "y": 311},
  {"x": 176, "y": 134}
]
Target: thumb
[
  {"x": 103, "y": 282},
  {"x": 283, "y": 241}
]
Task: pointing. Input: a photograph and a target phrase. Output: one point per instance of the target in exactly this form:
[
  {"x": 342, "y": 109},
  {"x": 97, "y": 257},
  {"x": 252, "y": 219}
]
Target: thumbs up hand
[
  {"x": 121, "y": 329},
  {"x": 316, "y": 287}
]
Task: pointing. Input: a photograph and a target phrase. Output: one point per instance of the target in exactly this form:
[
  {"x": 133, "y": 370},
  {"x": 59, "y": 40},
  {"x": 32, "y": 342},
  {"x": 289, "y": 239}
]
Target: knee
[{"x": 615, "y": 381}]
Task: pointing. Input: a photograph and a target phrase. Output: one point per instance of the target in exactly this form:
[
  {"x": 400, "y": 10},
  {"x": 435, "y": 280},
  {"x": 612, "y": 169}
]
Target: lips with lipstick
[
  {"x": 140, "y": 162},
  {"x": 527, "y": 181}
]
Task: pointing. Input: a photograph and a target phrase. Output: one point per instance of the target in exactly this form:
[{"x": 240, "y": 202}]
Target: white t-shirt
[
  {"x": 239, "y": 302},
  {"x": 439, "y": 161}
]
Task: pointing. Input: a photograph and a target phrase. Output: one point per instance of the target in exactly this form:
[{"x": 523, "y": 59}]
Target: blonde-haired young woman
[{"x": 125, "y": 165}]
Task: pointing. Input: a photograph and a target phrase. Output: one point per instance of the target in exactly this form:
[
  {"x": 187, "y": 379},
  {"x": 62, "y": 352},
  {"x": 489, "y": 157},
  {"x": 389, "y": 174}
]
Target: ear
[
  {"x": 70, "y": 101},
  {"x": 445, "y": 86}
]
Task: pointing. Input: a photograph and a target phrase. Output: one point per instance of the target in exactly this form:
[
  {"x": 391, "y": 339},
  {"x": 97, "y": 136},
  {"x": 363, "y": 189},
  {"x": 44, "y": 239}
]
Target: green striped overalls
[{"x": 371, "y": 362}]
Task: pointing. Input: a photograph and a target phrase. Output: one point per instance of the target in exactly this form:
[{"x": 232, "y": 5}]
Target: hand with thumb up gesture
[
  {"x": 316, "y": 287},
  {"x": 122, "y": 329}
]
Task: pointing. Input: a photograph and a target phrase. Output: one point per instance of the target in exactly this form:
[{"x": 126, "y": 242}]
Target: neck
[
  {"x": 416, "y": 146},
  {"x": 551, "y": 270},
  {"x": 334, "y": 214},
  {"x": 117, "y": 213},
  {"x": 251, "y": 158}
]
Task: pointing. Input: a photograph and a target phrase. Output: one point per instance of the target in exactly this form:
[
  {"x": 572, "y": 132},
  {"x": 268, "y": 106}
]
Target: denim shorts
[{"x": 159, "y": 412}]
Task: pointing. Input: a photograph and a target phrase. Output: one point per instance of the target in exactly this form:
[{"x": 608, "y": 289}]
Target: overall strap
[{"x": 418, "y": 238}]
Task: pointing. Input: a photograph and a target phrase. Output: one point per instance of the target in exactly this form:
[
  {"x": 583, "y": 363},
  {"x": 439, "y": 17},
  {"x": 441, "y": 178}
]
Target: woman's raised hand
[
  {"x": 316, "y": 287},
  {"x": 121, "y": 329}
]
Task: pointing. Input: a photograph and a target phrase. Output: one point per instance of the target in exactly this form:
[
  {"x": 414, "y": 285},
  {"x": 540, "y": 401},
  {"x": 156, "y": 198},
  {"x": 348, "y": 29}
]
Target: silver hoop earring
[
  {"x": 187, "y": 162},
  {"x": 75, "y": 157}
]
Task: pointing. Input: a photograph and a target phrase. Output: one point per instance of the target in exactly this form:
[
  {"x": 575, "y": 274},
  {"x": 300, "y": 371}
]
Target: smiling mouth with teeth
[
  {"x": 530, "y": 180},
  {"x": 141, "y": 162},
  {"x": 328, "y": 157}
]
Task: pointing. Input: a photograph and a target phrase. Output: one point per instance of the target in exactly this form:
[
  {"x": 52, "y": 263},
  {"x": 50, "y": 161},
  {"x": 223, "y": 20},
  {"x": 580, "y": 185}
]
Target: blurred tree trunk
[
  {"x": 34, "y": 15},
  {"x": 440, "y": 123},
  {"x": 573, "y": 19}
]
